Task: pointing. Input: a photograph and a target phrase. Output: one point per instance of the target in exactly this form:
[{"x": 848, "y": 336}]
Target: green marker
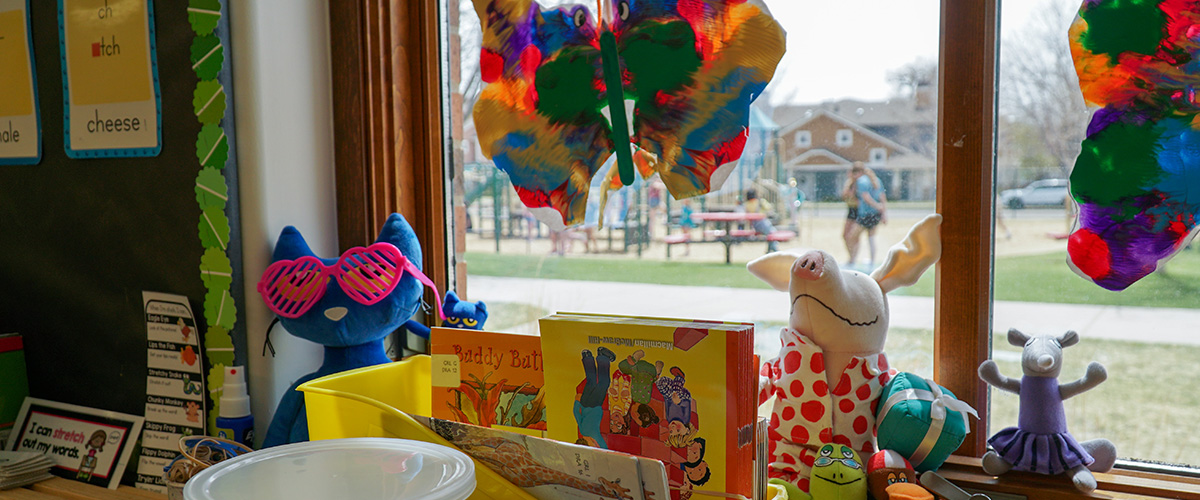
[{"x": 616, "y": 105}]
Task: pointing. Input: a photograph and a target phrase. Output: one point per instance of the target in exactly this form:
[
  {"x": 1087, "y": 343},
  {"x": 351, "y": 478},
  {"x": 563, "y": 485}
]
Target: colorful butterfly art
[
  {"x": 680, "y": 73},
  {"x": 1137, "y": 178}
]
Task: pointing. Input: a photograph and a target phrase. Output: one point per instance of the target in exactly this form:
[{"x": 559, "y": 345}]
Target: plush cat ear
[
  {"x": 291, "y": 245},
  {"x": 451, "y": 300},
  {"x": 397, "y": 232}
]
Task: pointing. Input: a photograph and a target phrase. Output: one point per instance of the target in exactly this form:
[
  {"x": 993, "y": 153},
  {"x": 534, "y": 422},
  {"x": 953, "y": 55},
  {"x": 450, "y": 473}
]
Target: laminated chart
[
  {"x": 111, "y": 99},
  {"x": 174, "y": 385},
  {"x": 20, "y": 130}
]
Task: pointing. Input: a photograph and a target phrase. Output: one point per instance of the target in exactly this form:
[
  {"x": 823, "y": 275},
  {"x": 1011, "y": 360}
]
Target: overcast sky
[{"x": 845, "y": 48}]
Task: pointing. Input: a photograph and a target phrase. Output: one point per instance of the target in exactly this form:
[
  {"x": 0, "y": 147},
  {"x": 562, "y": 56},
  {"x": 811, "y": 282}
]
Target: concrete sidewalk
[{"x": 1142, "y": 324}]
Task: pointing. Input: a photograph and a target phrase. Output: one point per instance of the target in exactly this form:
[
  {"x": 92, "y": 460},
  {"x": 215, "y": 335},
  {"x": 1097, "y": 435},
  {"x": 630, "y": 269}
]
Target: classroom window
[
  {"x": 491, "y": 228},
  {"x": 524, "y": 270},
  {"x": 1126, "y": 331}
]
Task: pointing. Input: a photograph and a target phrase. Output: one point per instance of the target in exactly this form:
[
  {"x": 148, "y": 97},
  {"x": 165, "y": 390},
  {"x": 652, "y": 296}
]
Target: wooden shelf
[
  {"x": 1118, "y": 484},
  {"x": 59, "y": 488}
]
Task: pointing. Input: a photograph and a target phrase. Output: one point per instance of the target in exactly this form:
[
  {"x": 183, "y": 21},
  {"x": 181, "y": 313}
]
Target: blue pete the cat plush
[
  {"x": 349, "y": 305},
  {"x": 459, "y": 314}
]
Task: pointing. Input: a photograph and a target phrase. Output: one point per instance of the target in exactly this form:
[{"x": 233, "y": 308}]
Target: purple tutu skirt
[{"x": 1042, "y": 453}]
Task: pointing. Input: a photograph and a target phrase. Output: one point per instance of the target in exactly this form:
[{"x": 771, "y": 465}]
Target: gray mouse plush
[{"x": 1040, "y": 441}]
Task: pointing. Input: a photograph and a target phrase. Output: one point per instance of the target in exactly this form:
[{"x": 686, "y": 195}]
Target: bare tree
[
  {"x": 908, "y": 80},
  {"x": 1039, "y": 89}
]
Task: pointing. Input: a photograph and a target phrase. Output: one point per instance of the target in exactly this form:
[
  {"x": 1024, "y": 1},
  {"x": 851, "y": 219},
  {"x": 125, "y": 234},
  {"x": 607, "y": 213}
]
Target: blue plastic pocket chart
[
  {"x": 20, "y": 128},
  {"x": 111, "y": 99}
]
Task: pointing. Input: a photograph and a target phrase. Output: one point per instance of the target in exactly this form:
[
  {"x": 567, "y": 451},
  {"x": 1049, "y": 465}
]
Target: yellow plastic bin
[{"x": 375, "y": 402}]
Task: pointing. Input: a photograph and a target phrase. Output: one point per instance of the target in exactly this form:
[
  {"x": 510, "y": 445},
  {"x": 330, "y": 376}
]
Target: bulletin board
[{"x": 83, "y": 235}]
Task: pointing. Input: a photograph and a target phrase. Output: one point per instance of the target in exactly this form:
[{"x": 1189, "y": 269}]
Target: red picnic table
[{"x": 728, "y": 235}]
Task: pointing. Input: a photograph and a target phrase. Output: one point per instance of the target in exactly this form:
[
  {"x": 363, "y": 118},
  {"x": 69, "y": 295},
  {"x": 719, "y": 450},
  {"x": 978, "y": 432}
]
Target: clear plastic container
[{"x": 355, "y": 468}]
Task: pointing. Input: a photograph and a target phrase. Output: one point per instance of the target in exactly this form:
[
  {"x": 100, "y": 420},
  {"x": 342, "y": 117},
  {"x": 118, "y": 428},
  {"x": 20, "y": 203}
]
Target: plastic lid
[
  {"x": 357, "y": 468},
  {"x": 235, "y": 401}
]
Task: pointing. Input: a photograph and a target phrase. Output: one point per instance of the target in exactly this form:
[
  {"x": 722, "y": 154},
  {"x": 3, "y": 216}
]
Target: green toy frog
[{"x": 838, "y": 474}]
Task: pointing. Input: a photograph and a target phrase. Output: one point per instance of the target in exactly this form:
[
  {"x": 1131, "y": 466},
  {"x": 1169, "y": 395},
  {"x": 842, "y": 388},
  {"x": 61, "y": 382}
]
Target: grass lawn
[
  {"x": 1033, "y": 278},
  {"x": 612, "y": 269},
  {"x": 504, "y": 315},
  {"x": 1046, "y": 278}
]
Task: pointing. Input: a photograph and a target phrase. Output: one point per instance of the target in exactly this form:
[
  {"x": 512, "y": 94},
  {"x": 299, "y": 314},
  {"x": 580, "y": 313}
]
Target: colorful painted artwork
[
  {"x": 680, "y": 73},
  {"x": 1137, "y": 178}
]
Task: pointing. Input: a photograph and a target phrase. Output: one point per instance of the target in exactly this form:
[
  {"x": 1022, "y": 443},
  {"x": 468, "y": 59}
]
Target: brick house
[{"x": 819, "y": 145}]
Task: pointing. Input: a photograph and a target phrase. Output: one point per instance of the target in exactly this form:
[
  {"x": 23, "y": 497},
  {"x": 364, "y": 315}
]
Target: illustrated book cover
[
  {"x": 488, "y": 379},
  {"x": 675, "y": 390}
]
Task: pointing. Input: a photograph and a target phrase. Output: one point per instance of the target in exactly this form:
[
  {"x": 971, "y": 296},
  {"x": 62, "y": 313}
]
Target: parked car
[{"x": 1045, "y": 192}]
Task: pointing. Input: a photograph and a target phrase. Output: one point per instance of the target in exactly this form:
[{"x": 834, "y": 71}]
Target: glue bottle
[{"x": 234, "y": 421}]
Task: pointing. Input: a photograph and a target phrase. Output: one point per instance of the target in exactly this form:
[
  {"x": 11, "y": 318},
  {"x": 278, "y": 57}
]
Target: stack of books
[
  {"x": 19, "y": 468},
  {"x": 677, "y": 394}
]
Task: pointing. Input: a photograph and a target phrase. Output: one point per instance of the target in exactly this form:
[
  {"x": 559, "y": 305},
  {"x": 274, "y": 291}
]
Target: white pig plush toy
[{"x": 832, "y": 369}]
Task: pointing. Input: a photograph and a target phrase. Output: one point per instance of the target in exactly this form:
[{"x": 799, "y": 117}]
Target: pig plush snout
[
  {"x": 809, "y": 267},
  {"x": 1045, "y": 361}
]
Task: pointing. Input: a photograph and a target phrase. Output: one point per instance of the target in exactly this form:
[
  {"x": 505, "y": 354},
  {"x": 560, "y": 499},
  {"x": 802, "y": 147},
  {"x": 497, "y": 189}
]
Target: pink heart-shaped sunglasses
[{"x": 367, "y": 275}]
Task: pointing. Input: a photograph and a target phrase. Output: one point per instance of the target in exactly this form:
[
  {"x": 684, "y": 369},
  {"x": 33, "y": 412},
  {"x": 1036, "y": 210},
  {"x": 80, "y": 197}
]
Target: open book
[{"x": 552, "y": 470}]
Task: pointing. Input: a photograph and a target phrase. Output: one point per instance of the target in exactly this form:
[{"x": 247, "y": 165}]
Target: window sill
[{"x": 967, "y": 473}]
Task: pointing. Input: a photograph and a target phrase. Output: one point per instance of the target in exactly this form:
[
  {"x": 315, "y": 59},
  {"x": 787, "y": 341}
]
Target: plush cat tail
[
  {"x": 290, "y": 245},
  {"x": 775, "y": 268},
  {"x": 397, "y": 232},
  {"x": 908, "y": 260}
]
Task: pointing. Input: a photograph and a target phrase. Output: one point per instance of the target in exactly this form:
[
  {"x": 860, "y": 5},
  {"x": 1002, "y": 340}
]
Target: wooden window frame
[
  {"x": 387, "y": 121},
  {"x": 390, "y": 150}
]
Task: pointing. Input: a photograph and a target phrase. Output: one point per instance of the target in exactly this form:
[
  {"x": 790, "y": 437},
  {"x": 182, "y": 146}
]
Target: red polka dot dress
[{"x": 808, "y": 413}]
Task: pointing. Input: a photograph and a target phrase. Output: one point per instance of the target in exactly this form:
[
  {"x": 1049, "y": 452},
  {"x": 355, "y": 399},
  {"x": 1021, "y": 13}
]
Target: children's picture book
[
  {"x": 552, "y": 470},
  {"x": 675, "y": 390},
  {"x": 488, "y": 379}
]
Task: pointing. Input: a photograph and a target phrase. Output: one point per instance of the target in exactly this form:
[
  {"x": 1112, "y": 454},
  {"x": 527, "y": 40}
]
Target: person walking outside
[
  {"x": 872, "y": 210},
  {"x": 851, "y": 198}
]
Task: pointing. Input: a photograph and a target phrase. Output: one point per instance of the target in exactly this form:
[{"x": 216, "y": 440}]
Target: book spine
[
  {"x": 739, "y": 457},
  {"x": 748, "y": 410}
]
